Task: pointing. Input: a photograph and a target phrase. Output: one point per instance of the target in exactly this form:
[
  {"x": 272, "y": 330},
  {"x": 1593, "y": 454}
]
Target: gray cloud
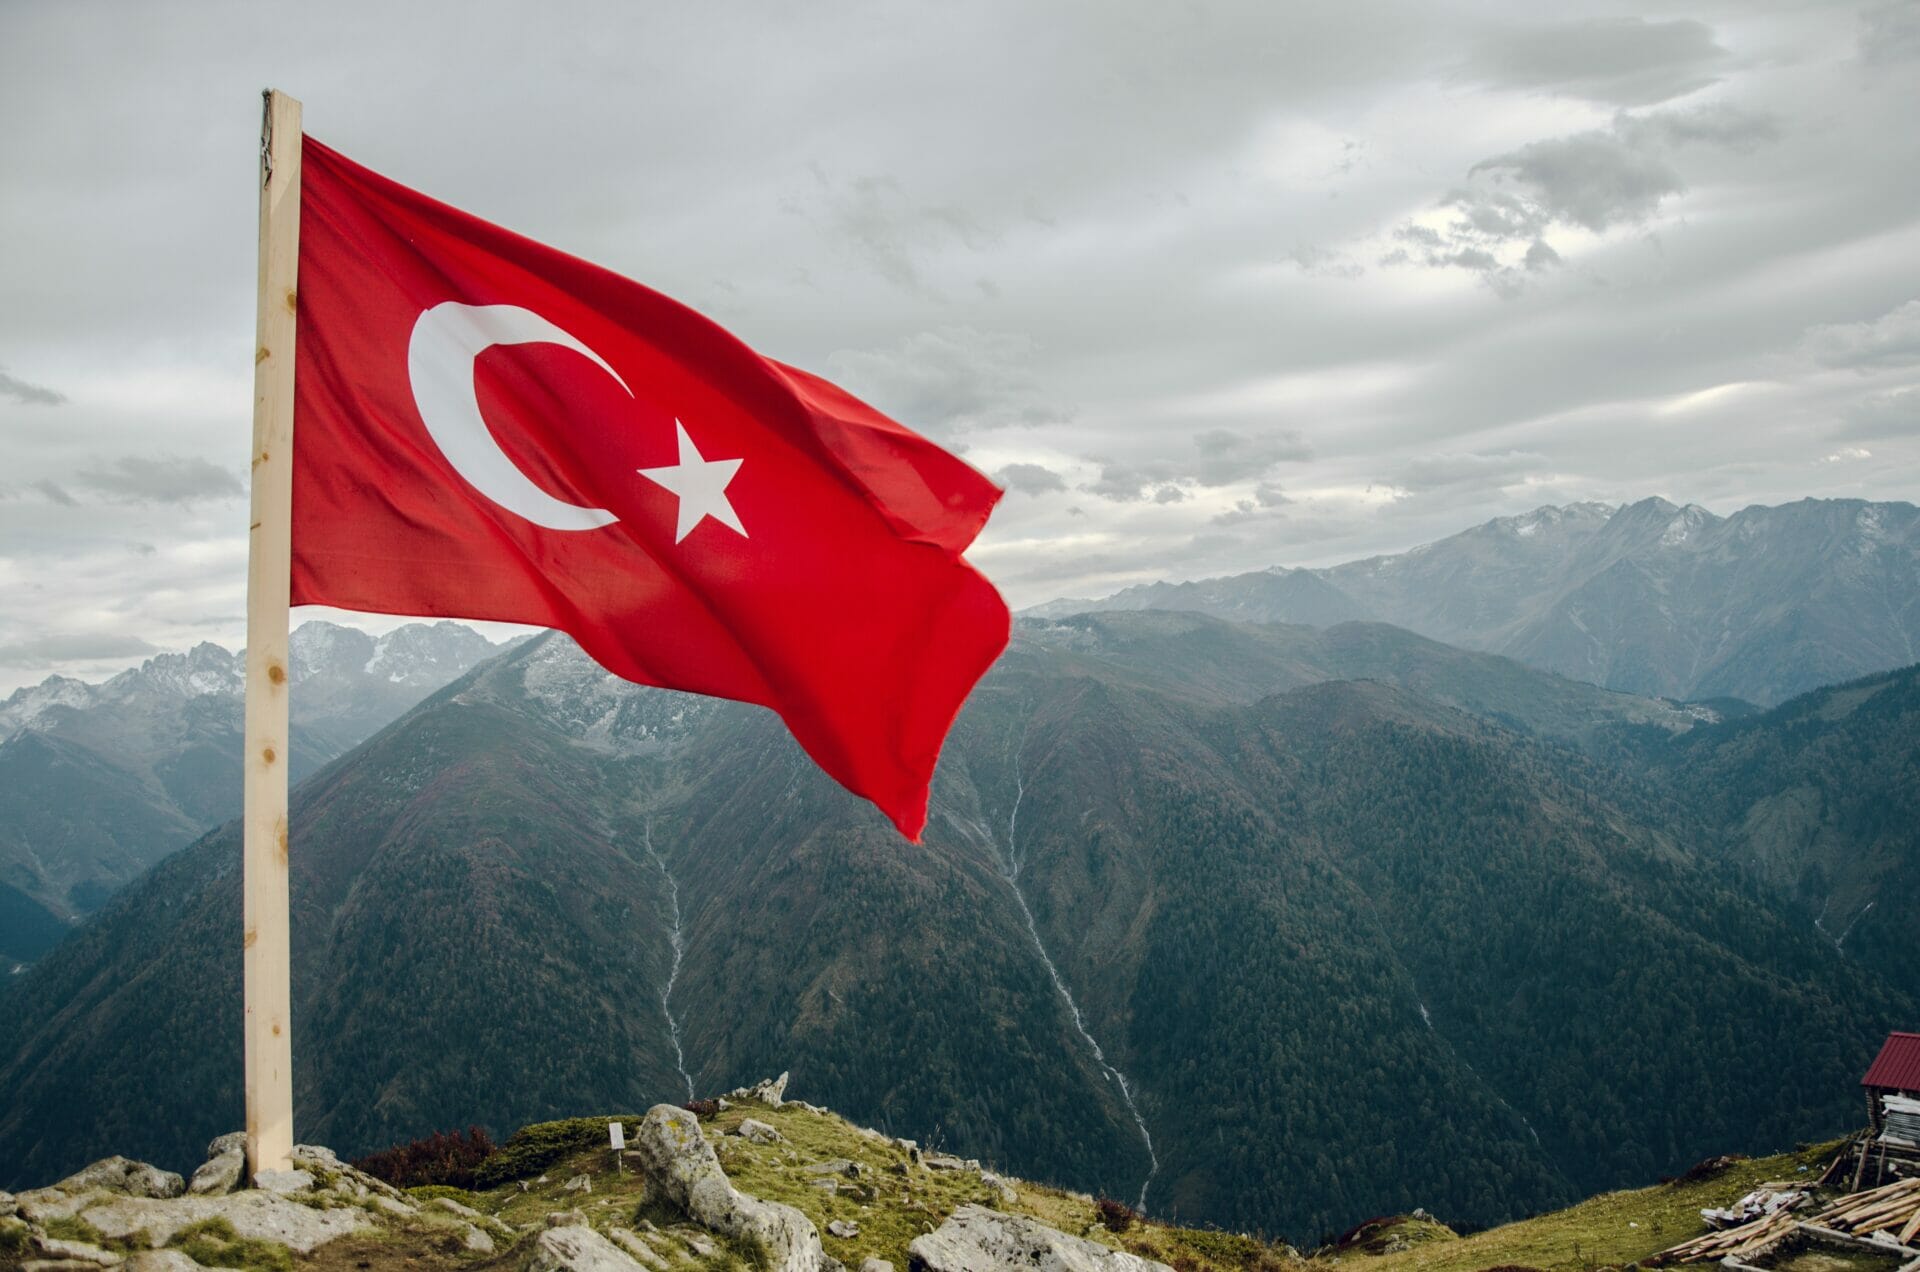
[
  {"x": 28, "y": 394},
  {"x": 146, "y": 479},
  {"x": 1227, "y": 457},
  {"x": 1891, "y": 414},
  {"x": 52, "y": 492},
  {"x": 1891, "y": 340},
  {"x": 1479, "y": 471},
  {"x": 949, "y": 380},
  {"x": 40, "y": 652},
  {"x": 1030, "y": 479},
  {"x": 1890, "y": 33},
  {"x": 1619, "y": 61}
]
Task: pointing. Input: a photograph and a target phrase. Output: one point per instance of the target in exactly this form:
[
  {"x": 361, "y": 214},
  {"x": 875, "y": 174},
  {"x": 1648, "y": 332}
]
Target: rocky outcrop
[
  {"x": 119, "y": 1175},
  {"x": 679, "y": 1161},
  {"x": 225, "y": 1167},
  {"x": 263, "y": 1215},
  {"x": 977, "y": 1239},
  {"x": 771, "y": 1092}
]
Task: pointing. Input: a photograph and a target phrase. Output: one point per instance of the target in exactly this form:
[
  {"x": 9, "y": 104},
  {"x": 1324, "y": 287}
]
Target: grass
[
  {"x": 890, "y": 1199},
  {"x": 213, "y": 1243},
  {"x": 1610, "y": 1230}
]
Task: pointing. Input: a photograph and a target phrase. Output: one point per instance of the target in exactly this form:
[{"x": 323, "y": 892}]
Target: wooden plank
[{"x": 269, "y": 1024}]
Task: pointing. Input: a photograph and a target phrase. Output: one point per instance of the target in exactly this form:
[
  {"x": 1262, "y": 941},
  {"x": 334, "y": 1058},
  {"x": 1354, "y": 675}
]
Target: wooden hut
[{"x": 1891, "y": 1147}]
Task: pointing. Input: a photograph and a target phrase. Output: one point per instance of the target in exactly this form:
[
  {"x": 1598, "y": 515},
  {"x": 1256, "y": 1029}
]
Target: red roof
[{"x": 1898, "y": 1064}]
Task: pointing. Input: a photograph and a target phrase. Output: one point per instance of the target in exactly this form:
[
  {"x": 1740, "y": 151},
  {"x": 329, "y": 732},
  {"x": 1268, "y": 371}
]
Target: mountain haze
[
  {"x": 1648, "y": 598},
  {"x": 1283, "y": 927},
  {"x": 97, "y": 782}
]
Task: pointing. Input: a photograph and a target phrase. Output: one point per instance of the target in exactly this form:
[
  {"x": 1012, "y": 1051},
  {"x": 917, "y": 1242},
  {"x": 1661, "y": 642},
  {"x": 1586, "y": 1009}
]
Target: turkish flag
[{"x": 487, "y": 428}]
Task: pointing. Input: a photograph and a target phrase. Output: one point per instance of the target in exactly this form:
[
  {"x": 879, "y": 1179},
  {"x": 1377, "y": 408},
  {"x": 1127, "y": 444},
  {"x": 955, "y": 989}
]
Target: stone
[
  {"x": 265, "y": 1215},
  {"x": 772, "y": 1092},
  {"x": 700, "y": 1245},
  {"x": 283, "y": 1181},
  {"x": 942, "y": 1161},
  {"x": 82, "y": 1251},
  {"x": 59, "y": 1265},
  {"x": 221, "y": 1173},
  {"x": 871, "y": 1264},
  {"x": 8, "y": 1206},
  {"x": 579, "y": 1183},
  {"x": 843, "y": 1229},
  {"x": 825, "y": 1185},
  {"x": 119, "y": 1175},
  {"x": 159, "y": 1261},
  {"x": 398, "y": 1209},
  {"x": 977, "y": 1239},
  {"x": 567, "y": 1218},
  {"x": 682, "y": 1165},
  {"x": 643, "y": 1253},
  {"x": 476, "y": 1240},
  {"x": 44, "y": 1205},
  {"x": 1007, "y": 1195},
  {"x": 453, "y": 1207},
  {"x": 577, "y": 1248},
  {"x": 835, "y": 1166},
  {"x": 759, "y": 1133}
]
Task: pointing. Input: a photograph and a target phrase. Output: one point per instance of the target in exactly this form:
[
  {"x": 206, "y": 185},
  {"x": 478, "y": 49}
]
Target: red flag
[{"x": 487, "y": 428}]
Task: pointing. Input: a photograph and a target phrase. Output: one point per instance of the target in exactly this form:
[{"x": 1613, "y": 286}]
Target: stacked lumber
[
  {"x": 1889, "y": 1216},
  {"x": 1894, "y": 1210},
  {"x": 1748, "y": 1241}
]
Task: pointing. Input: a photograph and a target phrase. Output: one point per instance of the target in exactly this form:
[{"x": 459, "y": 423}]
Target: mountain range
[
  {"x": 1272, "y": 927},
  {"x": 1648, "y": 598},
  {"x": 97, "y": 782}
]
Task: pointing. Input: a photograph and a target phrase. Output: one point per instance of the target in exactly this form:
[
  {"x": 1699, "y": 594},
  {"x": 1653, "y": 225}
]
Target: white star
[{"x": 701, "y": 485}]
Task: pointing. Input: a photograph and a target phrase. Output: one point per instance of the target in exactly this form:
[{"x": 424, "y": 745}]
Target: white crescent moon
[{"x": 446, "y": 339}]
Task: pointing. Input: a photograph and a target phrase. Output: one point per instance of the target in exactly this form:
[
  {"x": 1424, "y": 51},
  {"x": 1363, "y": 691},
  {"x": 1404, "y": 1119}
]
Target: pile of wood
[
  {"x": 1893, "y": 1210},
  {"x": 1888, "y": 1216}
]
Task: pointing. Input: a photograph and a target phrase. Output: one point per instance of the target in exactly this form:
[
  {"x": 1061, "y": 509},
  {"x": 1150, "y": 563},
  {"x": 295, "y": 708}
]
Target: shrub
[
  {"x": 444, "y": 1157},
  {"x": 702, "y": 1109},
  {"x": 1712, "y": 1166},
  {"x": 1115, "y": 1216}
]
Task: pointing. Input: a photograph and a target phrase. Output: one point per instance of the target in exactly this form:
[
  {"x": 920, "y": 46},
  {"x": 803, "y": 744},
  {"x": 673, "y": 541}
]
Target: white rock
[
  {"x": 221, "y": 1173},
  {"x": 159, "y": 1261},
  {"x": 451, "y": 1206},
  {"x": 640, "y": 1250},
  {"x": 843, "y": 1229},
  {"x": 976, "y": 1239},
  {"x": 119, "y": 1175},
  {"x": 82, "y": 1251},
  {"x": 283, "y": 1181},
  {"x": 476, "y": 1240},
  {"x": 759, "y": 1132},
  {"x": 577, "y": 1248},
  {"x": 770, "y": 1092},
  {"x": 871, "y": 1264},
  {"x": 267, "y": 1216},
  {"x": 8, "y": 1206},
  {"x": 681, "y": 1164},
  {"x": 579, "y": 1183}
]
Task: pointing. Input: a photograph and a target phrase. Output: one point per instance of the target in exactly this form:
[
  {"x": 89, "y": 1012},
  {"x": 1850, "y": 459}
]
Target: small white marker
[{"x": 617, "y": 1135}]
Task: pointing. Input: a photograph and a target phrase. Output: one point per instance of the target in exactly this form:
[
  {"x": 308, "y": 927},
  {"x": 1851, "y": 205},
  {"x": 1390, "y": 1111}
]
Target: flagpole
[{"x": 268, "y": 993}]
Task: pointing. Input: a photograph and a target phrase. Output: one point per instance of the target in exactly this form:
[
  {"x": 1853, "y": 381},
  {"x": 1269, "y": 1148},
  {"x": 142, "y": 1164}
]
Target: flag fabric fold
[{"x": 487, "y": 428}]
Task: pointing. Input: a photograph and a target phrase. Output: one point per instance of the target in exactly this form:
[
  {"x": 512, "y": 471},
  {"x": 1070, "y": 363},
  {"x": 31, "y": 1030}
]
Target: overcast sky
[{"x": 1208, "y": 286}]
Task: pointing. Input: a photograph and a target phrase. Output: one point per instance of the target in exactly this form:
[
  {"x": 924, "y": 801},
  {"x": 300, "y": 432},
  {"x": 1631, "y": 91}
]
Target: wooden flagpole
[{"x": 268, "y": 992}]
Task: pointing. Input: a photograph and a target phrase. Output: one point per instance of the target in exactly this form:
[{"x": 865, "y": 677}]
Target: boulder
[
  {"x": 871, "y": 1264},
  {"x": 844, "y": 1229},
  {"x": 681, "y": 1164},
  {"x": 835, "y": 1166},
  {"x": 224, "y": 1169},
  {"x": 453, "y": 1207},
  {"x": 8, "y": 1206},
  {"x": 79, "y": 1251},
  {"x": 772, "y": 1092},
  {"x": 579, "y": 1184},
  {"x": 577, "y": 1248},
  {"x": 977, "y": 1239},
  {"x": 759, "y": 1132},
  {"x": 283, "y": 1181},
  {"x": 476, "y": 1240},
  {"x": 267, "y": 1216},
  {"x": 119, "y": 1175},
  {"x": 643, "y": 1253},
  {"x": 159, "y": 1261}
]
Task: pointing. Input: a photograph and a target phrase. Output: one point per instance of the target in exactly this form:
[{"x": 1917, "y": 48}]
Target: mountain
[
  {"x": 1193, "y": 920},
  {"x": 1820, "y": 804},
  {"x": 1648, "y": 598},
  {"x": 97, "y": 782}
]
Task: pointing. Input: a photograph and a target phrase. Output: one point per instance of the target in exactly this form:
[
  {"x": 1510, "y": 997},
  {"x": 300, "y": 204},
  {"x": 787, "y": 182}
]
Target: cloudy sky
[{"x": 1208, "y": 286}]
